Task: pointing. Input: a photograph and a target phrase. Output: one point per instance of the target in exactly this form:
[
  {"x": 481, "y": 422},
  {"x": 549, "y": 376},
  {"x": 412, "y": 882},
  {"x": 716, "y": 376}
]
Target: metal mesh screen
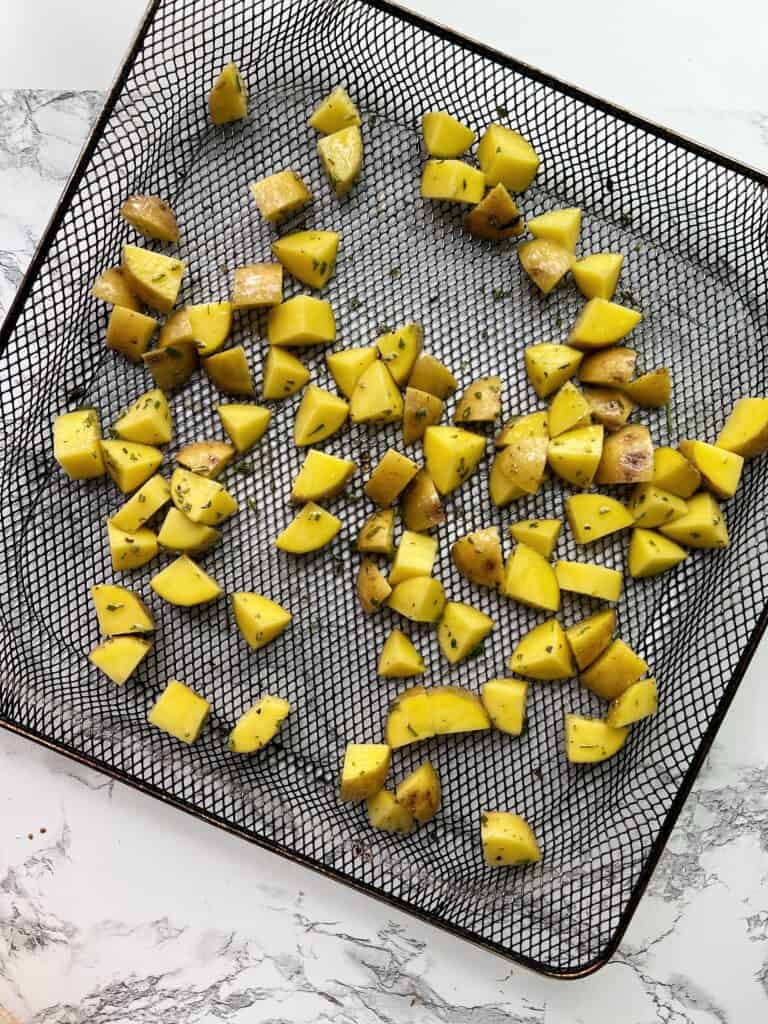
[{"x": 696, "y": 235}]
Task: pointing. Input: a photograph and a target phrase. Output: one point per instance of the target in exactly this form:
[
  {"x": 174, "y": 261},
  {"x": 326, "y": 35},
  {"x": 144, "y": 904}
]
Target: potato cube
[
  {"x": 390, "y": 477},
  {"x": 640, "y": 700},
  {"x": 480, "y": 403},
  {"x": 77, "y": 444},
  {"x": 320, "y": 414},
  {"x": 451, "y": 456},
  {"x": 674, "y": 473},
  {"x": 400, "y": 348},
  {"x": 627, "y": 456},
  {"x": 130, "y": 332},
  {"x": 507, "y": 840},
  {"x": 652, "y": 506},
  {"x": 180, "y": 534},
  {"x": 111, "y": 286},
  {"x": 507, "y": 158},
  {"x": 309, "y": 255},
  {"x": 200, "y": 499},
  {"x": 309, "y": 530},
  {"x": 652, "y": 390},
  {"x": 543, "y": 653},
  {"x": 259, "y": 619},
  {"x": 341, "y": 154},
  {"x": 651, "y": 554},
  {"x": 120, "y": 611},
  {"x": 720, "y": 469},
  {"x": 399, "y": 658},
  {"x": 549, "y": 366},
  {"x": 420, "y": 792},
  {"x": 519, "y": 468},
  {"x": 376, "y": 398},
  {"x": 210, "y": 324},
  {"x": 257, "y": 286},
  {"x": 151, "y": 216},
  {"x": 462, "y": 630},
  {"x": 280, "y": 195},
  {"x": 365, "y": 770},
  {"x": 206, "y": 458},
  {"x": 376, "y": 533},
  {"x": 429, "y": 374},
  {"x": 452, "y": 181},
  {"x": 421, "y": 410},
  {"x": 420, "y": 599},
  {"x": 495, "y": 217},
  {"x": 444, "y": 136},
  {"x": 592, "y": 516},
  {"x": 575, "y": 455},
  {"x": 531, "y": 580},
  {"x": 130, "y": 464},
  {"x": 539, "y": 534},
  {"x": 372, "y": 586},
  {"x": 140, "y": 508},
  {"x": 504, "y": 700},
  {"x": 227, "y": 100},
  {"x": 421, "y": 506},
  {"x": 545, "y": 262},
  {"x": 180, "y": 712},
  {"x": 171, "y": 366},
  {"x": 130, "y": 550},
  {"x": 608, "y": 366},
  {"x": 245, "y": 424},
  {"x": 334, "y": 112},
  {"x": 321, "y": 476},
  {"x": 602, "y": 323},
  {"x": 703, "y": 525},
  {"x": 478, "y": 557},
  {"x": 560, "y": 226},
  {"x": 177, "y": 329},
  {"x": 415, "y": 556},
  {"x": 596, "y": 276},
  {"x": 119, "y": 657},
  {"x": 387, "y": 815},
  {"x": 284, "y": 374},
  {"x": 613, "y": 671},
  {"x": 148, "y": 420},
  {"x": 229, "y": 372},
  {"x": 746, "y": 429},
  {"x": 152, "y": 277},
  {"x": 567, "y": 410},
  {"x": 455, "y": 710},
  {"x": 258, "y": 725},
  {"x": 586, "y": 578},
  {"x": 302, "y": 320},
  {"x": 409, "y": 718},
  {"x": 609, "y": 406},
  {"x": 589, "y": 740},
  {"x": 185, "y": 584},
  {"x": 591, "y": 636},
  {"x": 347, "y": 366}
]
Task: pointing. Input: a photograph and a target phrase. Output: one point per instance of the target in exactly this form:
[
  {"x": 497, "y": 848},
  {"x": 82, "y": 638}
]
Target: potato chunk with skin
[
  {"x": 452, "y": 181},
  {"x": 376, "y": 398},
  {"x": 130, "y": 550},
  {"x": 152, "y": 217},
  {"x": 543, "y": 653},
  {"x": 310, "y": 256},
  {"x": 257, "y": 286},
  {"x": 609, "y": 406},
  {"x": 180, "y": 712},
  {"x": 549, "y": 366},
  {"x": 309, "y": 530},
  {"x": 415, "y": 556},
  {"x": 589, "y": 740},
  {"x": 258, "y": 725},
  {"x": 454, "y": 710},
  {"x": 279, "y": 195},
  {"x": 390, "y": 477},
  {"x": 376, "y": 533},
  {"x": 720, "y": 470},
  {"x": 651, "y": 506},
  {"x": 387, "y": 815},
  {"x": 302, "y": 320},
  {"x": 200, "y": 499},
  {"x": 171, "y": 366},
  {"x": 365, "y": 770},
  {"x": 259, "y": 619},
  {"x": 451, "y": 456},
  {"x": 519, "y": 468},
  {"x": 347, "y": 365},
  {"x": 674, "y": 473},
  {"x": 119, "y": 657},
  {"x": 399, "y": 659},
  {"x": 539, "y": 534},
  {"x": 596, "y": 276},
  {"x": 420, "y": 792},
  {"x": 531, "y": 580},
  {"x": 399, "y": 349},
  {"x": 429, "y": 374},
  {"x": 120, "y": 612},
  {"x": 227, "y": 100},
  {"x": 130, "y": 464},
  {"x": 507, "y": 158},
  {"x": 184, "y": 583},
  {"x": 341, "y": 154},
  {"x": 567, "y": 410},
  {"x": 334, "y": 112},
  {"x": 608, "y": 367},
  {"x": 504, "y": 700},
  {"x": 421, "y": 506},
  {"x": 421, "y": 410},
  {"x": 180, "y": 534},
  {"x": 602, "y": 323},
  {"x": 746, "y": 430},
  {"x": 615, "y": 669},
  {"x": 592, "y": 516},
  {"x": 229, "y": 372},
  {"x": 409, "y": 718},
  {"x": 560, "y": 226},
  {"x": 152, "y": 277},
  {"x": 110, "y": 286},
  {"x": 444, "y": 136},
  {"x": 147, "y": 420},
  {"x": 462, "y": 630},
  {"x": 177, "y": 329},
  {"x": 284, "y": 374},
  {"x": 478, "y": 557},
  {"x": 420, "y": 599},
  {"x": 480, "y": 403},
  {"x": 627, "y": 456},
  {"x": 587, "y": 578},
  {"x": 372, "y": 586},
  {"x": 206, "y": 458},
  {"x": 703, "y": 525},
  {"x": 129, "y": 332},
  {"x": 507, "y": 839},
  {"x": 650, "y": 554},
  {"x": 545, "y": 262},
  {"x": 575, "y": 455},
  {"x": 321, "y": 476},
  {"x": 495, "y": 217},
  {"x": 245, "y": 424},
  {"x": 591, "y": 636},
  {"x": 77, "y": 444},
  {"x": 652, "y": 390},
  {"x": 209, "y": 325},
  {"x": 140, "y": 508},
  {"x": 319, "y": 416},
  {"x": 640, "y": 700}
]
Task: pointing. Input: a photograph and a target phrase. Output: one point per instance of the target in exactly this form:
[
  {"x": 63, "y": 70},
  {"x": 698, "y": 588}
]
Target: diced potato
[
  {"x": 409, "y": 718},
  {"x": 180, "y": 534},
  {"x": 259, "y": 619},
  {"x": 280, "y": 195},
  {"x": 589, "y": 740},
  {"x": 180, "y": 712},
  {"x": 567, "y": 410},
  {"x": 549, "y": 366},
  {"x": 495, "y": 217},
  {"x": 651, "y": 554},
  {"x": 130, "y": 464},
  {"x": 615, "y": 669},
  {"x": 77, "y": 444},
  {"x": 171, "y": 366},
  {"x": 539, "y": 534},
  {"x": 591, "y": 636},
  {"x": 652, "y": 390},
  {"x": 152, "y": 277},
  {"x": 284, "y": 374},
  {"x": 627, "y": 456},
  {"x": 140, "y": 508},
  {"x": 507, "y": 158},
  {"x": 365, "y": 770},
  {"x": 210, "y": 324},
  {"x": 334, "y": 112},
  {"x": 152, "y": 217},
  {"x": 415, "y": 556},
  {"x": 478, "y": 557},
  {"x": 596, "y": 276},
  {"x": 258, "y": 725},
  {"x": 531, "y": 580},
  {"x": 302, "y": 320},
  {"x": 372, "y": 587},
  {"x": 592, "y": 516},
  {"x": 575, "y": 455},
  {"x": 452, "y": 181},
  {"x": 309, "y": 255},
  {"x": 320, "y": 414},
  {"x": 560, "y": 226},
  {"x": 390, "y": 477},
  {"x": 454, "y": 710},
  {"x": 229, "y": 372},
  {"x": 130, "y": 550},
  {"x": 507, "y": 839},
  {"x": 321, "y": 476},
  {"x": 461, "y": 631},
  {"x": 227, "y": 100},
  {"x": 640, "y": 700},
  {"x": 429, "y": 374},
  {"x": 674, "y": 473},
  {"x": 376, "y": 398},
  {"x": 703, "y": 526},
  {"x": 347, "y": 365},
  {"x": 720, "y": 469},
  {"x": 148, "y": 420},
  {"x": 387, "y": 815},
  {"x": 119, "y": 657},
  {"x": 130, "y": 332},
  {"x": 420, "y": 599},
  {"x": 341, "y": 154},
  {"x": 545, "y": 262},
  {"x": 120, "y": 611},
  {"x": 543, "y": 653},
  {"x": 244, "y": 424},
  {"x": 421, "y": 506},
  {"x": 602, "y": 323},
  {"x": 420, "y": 792},
  {"x": 310, "y": 529},
  {"x": 608, "y": 367},
  {"x": 609, "y": 406},
  {"x": 177, "y": 329},
  {"x": 746, "y": 429},
  {"x": 480, "y": 403},
  {"x": 504, "y": 700},
  {"x": 206, "y": 458},
  {"x": 399, "y": 659},
  {"x": 421, "y": 410},
  {"x": 200, "y": 499},
  {"x": 451, "y": 456},
  {"x": 400, "y": 349},
  {"x": 519, "y": 468},
  {"x": 184, "y": 583},
  {"x": 444, "y": 136},
  {"x": 652, "y": 506},
  {"x": 110, "y": 286},
  {"x": 376, "y": 534},
  {"x": 587, "y": 578},
  {"x": 257, "y": 286}
]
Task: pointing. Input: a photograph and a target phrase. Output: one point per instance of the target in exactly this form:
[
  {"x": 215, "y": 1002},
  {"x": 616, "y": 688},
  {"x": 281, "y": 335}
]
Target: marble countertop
[{"x": 115, "y": 908}]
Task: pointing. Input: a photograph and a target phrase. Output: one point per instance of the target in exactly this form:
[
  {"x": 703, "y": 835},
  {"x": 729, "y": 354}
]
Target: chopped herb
[
  {"x": 141, "y": 498},
  {"x": 114, "y": 607},
  {"x": 158, "y": 277},
  {"x": 502, "y": 112},
  {"x": 476, "y": 651},
  {"x": 252, "y": 504},
  {"x": 354, "y": 303},
  {"x": 411, "y": 730},
  {"x": 549, "y": 648},
  {"x": 394, "y": 272},
  {"x": 373, "y": 120},
  {"x": 244, "y": 468}
]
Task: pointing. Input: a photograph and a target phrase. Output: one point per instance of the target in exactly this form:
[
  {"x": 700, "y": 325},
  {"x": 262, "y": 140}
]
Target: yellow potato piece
[
  {"x": 140, "y": 508},
  {"x": 640, "y": 700},
  {"x": 420, "y": 792},
  {"x": 480, "y": 403},
  {"x": 130, "y": 332},
  {"x": 420, "y": 599},
  {"x": 310, "y": 529},
  {"x": 591, "y": 636},
  {"x": 120, "y": 611},
  {"x": 421, "y": 506},
  {"x": 180, "y": 712},
  {"x": 387, "y": 815},
  {"x": 245, "y": 424},
  {"x": 206, "y": 458},
  {"x": 651, "y": 554},
  {"x": 180, "y": 534},
  {"x": 602, "y": 323},
  {"x": 507, "y": 839},
  {"x": 674, "y": 473},
  {"x": 119, "y": 657},
  {"x": 478, "y": 557},
  {"x": 496, "y": 216},
  {"x": 302, "y": 320},
  {"x": 399, "y": 659},
  {"x": 610, "y": 367},
  {"x": 77, "y": 444},
  {"x": 321, "y": 476},
  {"x": 531, "y": 580},
  {"x": 341, "y": 154},
  {"x": 210, "y": 324},
  {"x": 130, "y": 464},
  {"x": 567, "y": 410},
  {"x": 227, "y": 100},
  {"x": 229, "y": 372},
  {"x": 452, "y": 181},
  {"x": 444, "y": 136},
  {"x": 152, "y": 277},
  {"x": 257, "y": 286},
  {"x": 539, "y": 534},
  {"x": 543, "y": 653},
  {"x": 372, "y": 586},
  {"x": 148, "y": 420},
  {"x": 746, "y": 430},
  {"x": 560, "y": 226},
  {"x": 627, "y": 456},
  {"x": 280, "y": 195},
  {"x": 172, "y": 365},
  {"x": 320, "y": 414},
  {"x": 376, "y": 398},
  {"x": 609, "y": 406},
  {"x": 310, "y": 256},
  {"x": 507, "y": 158},
  {"x": 365, "y": 770},
  {"x": 284, "y": 374},
  {"x": 586, "y": 578},
  {"x": 461, "y": 631},
  {"x": 615, "y": 669},
  {"x": 258, "y": 725},
  {"x": 451, "y": 456},
  {"x": 110, "y": 286},
  {"x": 130, "y": 550},
  {"x": 454, "y": 710},
  {"x": 415, "y": 556},
  {"x": 409, "y": 719},
  {"x": 549, "y": 366},
  {"x": 200, "y": 499},
  {"x": 390, "y": 477},
  {"x": 259, "y": 619},
  {"x": 334, "y": 112},
  {"x": 151, "y": 216},
  {"x": 575, "y": 455},
  {"x": 720, "y": 469},
  {"x": 421, "y": 410},
  {"x": 651, "y": 506},
  {"x": 519, "y": 468},
  {"x": 177, "y": 329},
  {"x": 376, "y": 533},
  {"x": 596, "y": 276},
  {"x": 592, "y": 516},
  {"x": 545, "y": 262},
  {"x": 184, "y": 583},
  {"x": 703, "y": 525},
  {"x": 652, "y": 390},
  {"x": 347, "y": 365},
  {"x": 429, "y": 374},
  {"x": 589, "y": 740},
  {"x": 504, "y": 700},
  {"x": 399, "y": 349}
]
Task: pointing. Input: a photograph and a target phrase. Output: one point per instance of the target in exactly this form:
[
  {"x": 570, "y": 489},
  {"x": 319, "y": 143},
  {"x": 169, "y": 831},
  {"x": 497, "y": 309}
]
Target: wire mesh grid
[{"x": 696, "y": 235}]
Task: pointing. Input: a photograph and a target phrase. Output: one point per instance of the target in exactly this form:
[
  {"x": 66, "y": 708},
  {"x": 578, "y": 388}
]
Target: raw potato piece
[
  {"x": 543, "y": 653},
  {"x": 567, "y": 410},
  {"x": 376, "y": 398},
  {"x": 140, "y": 508},
  {"x": 589, "y": 740},
  {"x": 229, "y": 372},
  {"x": 651, "y": 554},
  {"x": 640, "y": 700},
  {"x": 209, "y": 325},
  {"x": 284, "y": 374},
  {"x": 746, "y": 429},
  {"x": 258, "y": 725},
  {"x": 478, "y": 557},
  {"x": 616, "y": 669},
  {"x": 720, "y": 470},
  {"x": 462, "y": 630},
  {"x": 539, "y": 534},
  {"x": 575, "y": 455},
  {"x": 77, "y": 444},
  {"x": 365, "y": 770},
  {"x": 341, "y": 154},
  {"x": 421, "y": 505},
  {"x": 376, "y": 534},
  {"x": 309, "y": 530},
  {"x": 452, "y": 181},
  {"x": 200, "y": 499},
  {"x": 421, "y": 410},
  {"x": 703, "y": 526},
  {"x": 674, "y": 473},
  {"x": 171, "y": 365},
  {"x": 504, "y": 700},
  {"x": 545, "y": 262},
  {"x": 347, "y": 365},
  {"x": 560, "y": 226},
  {"x": 451, "y": 455},
  {"x": 130, "y": 550},
  {"x": 415, "y": 556},
  {"x": 531, "y": 580},
  {"x": 184, "y": 583},
  {"x": 549, "y": 366},
  {"x": 321, "y": 476},
  {"x": 130, "y": 332},
  {"x": 245, "y": 424},
  {"x": 110, "y": 286},
  {"x": 444, "y": 136},
  {"x": 180, "y": 712},
  {"x": 507, "y": 158},
  {"x": 399, "y": 349},
  {"x": 480, "y": 403},
  {"x": 409, "y": 718},
  {"x": 519, "y": 468},
  {"x": 387, "y": 815},
  {"x": 421, "y": 599},
  {"x": 399, "y": 659},
  {"x": 319, "y": 415},
  {"x": 495, "y": 217},
  {"x": 130, "y": 464},
  {"x": 429, "y": 374},
  {"x": 336, "y": 111},
  {"x": 609, "y": 406},
  {"x": 507, "y": 840},
  {"x": 372, "y": 587},
  {"x": 390, "y": 477},
  {"x": 627, "y": 457},
  {"x": 608, "y": 367},
  {"x": 420, "y": 792},
  {"x": 454, "y": 710},
  {"x": 602, "y": 323},
  {"x": 280, "y": 195},
  {"x": 651, "y": 506},
  {"x": 120, "y": 611},
  {"x": 257, "y": 286},
  {"x": 227, "y": 100},
  {"x": 302, "y": 320},
  {"x": 587, "y": 578},
  {"x": 152, "y": 217},
  {"x": 152, "y": 277},
  {"x": 147, "y": 421},
  {"x": 206, "y": 458},
  {"x": 310, "y": 256},
  {"x": 590, "y": 637},
  {"x": 180, "y": 534},
  {"x": 259, "y": 619},
  {"x": 652, "y": 390},
  {"x": 596, "y": 276},
  {"x": 592, "y": 516},
  {"x": 119, "y": 657}
]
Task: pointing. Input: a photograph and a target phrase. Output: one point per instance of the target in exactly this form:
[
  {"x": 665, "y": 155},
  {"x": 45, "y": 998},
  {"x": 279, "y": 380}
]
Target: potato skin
[
  {"x": 372, "y": 588},
  {"x": 420, "y": 505},
  {"x": 608, "y": 367},
  {"x": 478, "y": 557},
  {"x": 152, "y": 217},
  {"x": 627, "y": 457}
]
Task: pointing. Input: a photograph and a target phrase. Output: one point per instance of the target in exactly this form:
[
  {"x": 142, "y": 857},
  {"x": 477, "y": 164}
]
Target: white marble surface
[{"x": 114, "y": 908}]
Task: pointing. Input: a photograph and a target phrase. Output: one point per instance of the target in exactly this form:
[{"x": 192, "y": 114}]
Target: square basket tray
[{"x": 695, "y": 228}]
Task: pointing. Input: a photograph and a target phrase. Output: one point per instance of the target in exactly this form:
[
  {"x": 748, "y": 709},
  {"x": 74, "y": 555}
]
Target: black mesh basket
[{"x": 695, "y": 228}]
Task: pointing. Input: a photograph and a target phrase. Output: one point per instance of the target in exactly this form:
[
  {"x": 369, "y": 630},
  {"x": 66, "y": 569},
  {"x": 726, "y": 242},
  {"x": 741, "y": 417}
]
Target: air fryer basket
[{"x": 694, "y": 227}]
